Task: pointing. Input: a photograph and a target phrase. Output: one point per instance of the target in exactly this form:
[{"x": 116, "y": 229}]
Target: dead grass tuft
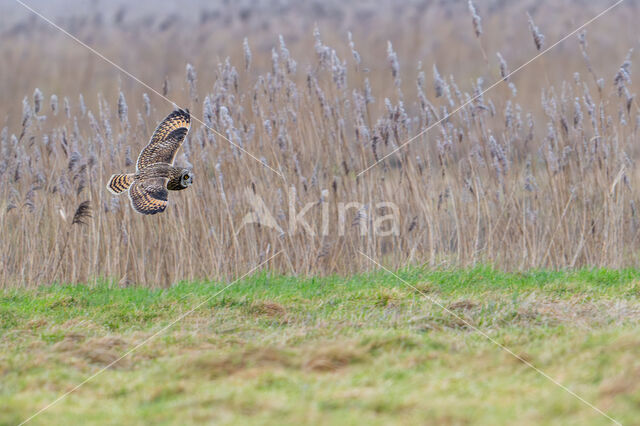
[
  {"x": 577, "y": 311},
  {"x": 375, "y": 344},
  {"x": 462, "y": 305},
  {"x": 333, "y": 357},
  {"x": 424, "y": 287},
  {"x": 166, "y": 391},
  {"x": 388, "y": 297},
  {"x": 37, "y": 323},
  {"x": 269, "y": 309},
  {"x": 214, "y": 366},
  {"x": 103, "y": 350},
  {"x": 623, "y": 384}
]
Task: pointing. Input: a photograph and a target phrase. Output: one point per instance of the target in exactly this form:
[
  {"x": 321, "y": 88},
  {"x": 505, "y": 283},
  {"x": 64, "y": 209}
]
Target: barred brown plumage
[
  {"x": 149, "y": 196},
  {"x": 120, "y": 183},
  {"x": 155, "y": 174},
  {"x": 166, "y": 140}
]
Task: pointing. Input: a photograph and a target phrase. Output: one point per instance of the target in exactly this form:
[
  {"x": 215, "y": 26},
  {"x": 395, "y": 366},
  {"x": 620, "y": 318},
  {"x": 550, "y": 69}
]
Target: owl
[{"x": 155, "y": 173}]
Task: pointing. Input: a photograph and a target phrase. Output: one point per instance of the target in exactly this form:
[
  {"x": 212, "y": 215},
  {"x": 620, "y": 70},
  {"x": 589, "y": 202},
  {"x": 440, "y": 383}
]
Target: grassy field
[
  {"x": 368, "y": 349},
  {"x": 437, "y": 134}
]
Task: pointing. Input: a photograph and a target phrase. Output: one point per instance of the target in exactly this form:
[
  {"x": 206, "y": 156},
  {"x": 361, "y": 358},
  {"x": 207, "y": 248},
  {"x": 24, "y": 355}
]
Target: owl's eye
[{"x": 186, "y": 176}]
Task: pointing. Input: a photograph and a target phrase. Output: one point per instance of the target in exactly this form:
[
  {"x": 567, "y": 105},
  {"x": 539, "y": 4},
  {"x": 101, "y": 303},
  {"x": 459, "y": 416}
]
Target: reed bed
[{"x": 539, "y": 172}]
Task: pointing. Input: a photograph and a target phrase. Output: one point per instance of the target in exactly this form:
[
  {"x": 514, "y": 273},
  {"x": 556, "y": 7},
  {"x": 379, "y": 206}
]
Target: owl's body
[
  {"x": 162, "y": 170},
  {"x": 155, "y": 174}
]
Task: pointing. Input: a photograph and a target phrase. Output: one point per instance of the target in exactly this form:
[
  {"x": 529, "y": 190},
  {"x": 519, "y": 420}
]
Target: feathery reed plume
[
  {"x": 53, "y": 101},
  {"x": 247, "y": 54},
  {"x": 538, "y": 37},
  {"x": 477, "y": 21},
  {"x": 623, "y": 76},
  {"x": 504, "y": 71},
  {"x": 67, "y": 107},
  {"x": 477, "y": 28},
  {"x": 191, "y": 81},
  {"x": 395, "y": 66},
  {"x": 123, "y": 110},
  {"x": 82, "y": 213},
  {"x": 27, "y": 116},
  {"x": 323, "y": 52},
  {"x": 286, "y": 56},
  {"x": 147, "y": 104},
  {"x": 37, "y": 101},
  {"x": 81, "y": 104},
  {"x": 582, "y": 39},
  {"x": 354, "y": 52},
  {"x": 438, "y": 83}
]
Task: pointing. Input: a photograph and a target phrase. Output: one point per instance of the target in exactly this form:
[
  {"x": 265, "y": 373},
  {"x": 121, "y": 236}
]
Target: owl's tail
[{"x": 120, "y": 183}]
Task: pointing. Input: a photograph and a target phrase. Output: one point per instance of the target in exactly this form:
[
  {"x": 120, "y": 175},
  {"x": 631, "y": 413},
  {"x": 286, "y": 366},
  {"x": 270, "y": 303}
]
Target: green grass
[{"x": 368, "y": 349}]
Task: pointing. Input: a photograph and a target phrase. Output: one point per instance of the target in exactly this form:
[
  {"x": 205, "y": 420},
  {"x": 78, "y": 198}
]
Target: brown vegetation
[{"x": 538, "y": 172}]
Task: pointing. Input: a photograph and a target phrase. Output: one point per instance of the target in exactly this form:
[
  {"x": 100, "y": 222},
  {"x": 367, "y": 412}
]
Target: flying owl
[{"x": 155, "y": 173}]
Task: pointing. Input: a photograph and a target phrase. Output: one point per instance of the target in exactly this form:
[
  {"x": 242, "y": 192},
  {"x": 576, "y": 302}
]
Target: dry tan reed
[{"x": 539, "y": 172}]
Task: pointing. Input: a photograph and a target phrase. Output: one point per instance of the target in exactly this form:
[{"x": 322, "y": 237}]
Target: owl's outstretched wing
[
  {"x": 166, "y": 139},
  {"x": 149, "y": 196}
]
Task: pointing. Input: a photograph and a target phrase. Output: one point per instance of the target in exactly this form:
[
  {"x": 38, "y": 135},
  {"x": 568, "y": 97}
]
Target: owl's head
[{"x": 186, "y": 179}]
